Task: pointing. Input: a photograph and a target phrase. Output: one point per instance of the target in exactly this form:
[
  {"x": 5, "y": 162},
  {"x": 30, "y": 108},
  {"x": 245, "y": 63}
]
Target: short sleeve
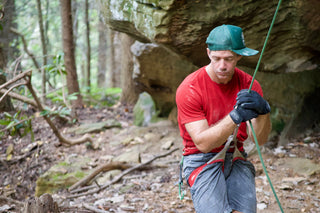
[{"x": 190, "y": 107}]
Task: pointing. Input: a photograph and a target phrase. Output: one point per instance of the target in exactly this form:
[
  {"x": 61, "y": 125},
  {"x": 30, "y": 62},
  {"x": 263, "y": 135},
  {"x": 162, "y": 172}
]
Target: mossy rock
[{"x": 62, "y": 175}]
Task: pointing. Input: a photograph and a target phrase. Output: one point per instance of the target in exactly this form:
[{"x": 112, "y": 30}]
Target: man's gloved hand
[
  {"x": 239, "y": 114},
  {"x": 252, "y": 100}
]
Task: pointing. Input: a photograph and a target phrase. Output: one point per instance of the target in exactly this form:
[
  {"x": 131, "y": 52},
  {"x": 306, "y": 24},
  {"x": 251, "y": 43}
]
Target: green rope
[
  {"x": 182, "y": 192},
  {"x": 253, "y": 133},
  {"x": 265, "y": 44},
  {"x": 264, "y": 167}
]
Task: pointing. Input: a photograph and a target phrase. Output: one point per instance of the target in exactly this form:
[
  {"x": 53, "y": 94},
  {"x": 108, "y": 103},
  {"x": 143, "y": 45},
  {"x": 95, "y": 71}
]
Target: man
[{"x": 214, "y": 104}]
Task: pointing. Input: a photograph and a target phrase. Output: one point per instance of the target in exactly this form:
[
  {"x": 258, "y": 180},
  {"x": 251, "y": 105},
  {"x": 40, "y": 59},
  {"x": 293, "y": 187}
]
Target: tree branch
[
  {"x": 11, "y": 88},
  {"x": 27, "y": 76},
  {"x": 25, "y": 47},
  {"x": 20, "y": 97},
  {"x": 91, "y": 208},
  {"x": 55, "y": 130},
  {"x": 102, "y": 168}
]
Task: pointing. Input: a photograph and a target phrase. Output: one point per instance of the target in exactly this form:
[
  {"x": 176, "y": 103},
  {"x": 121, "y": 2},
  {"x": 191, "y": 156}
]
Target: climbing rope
[
  {"x": 182, "y": 191},
  {"x": 253, "y": 133}
]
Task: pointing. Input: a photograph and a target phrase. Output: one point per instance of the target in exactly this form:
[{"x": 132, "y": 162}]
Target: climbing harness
[
  {"x": 219, "y": 157},
  {"x": 232, "y": 138}
]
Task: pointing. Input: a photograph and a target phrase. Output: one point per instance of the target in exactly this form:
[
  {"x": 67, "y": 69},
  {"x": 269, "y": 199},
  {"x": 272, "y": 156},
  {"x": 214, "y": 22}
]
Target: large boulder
[
  {"x": 159, "y": 71},
  {"x": 289, "y": 70}
]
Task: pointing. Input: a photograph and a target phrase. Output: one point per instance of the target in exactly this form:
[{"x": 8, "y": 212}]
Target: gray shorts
[{"x": 222, "y": 186}]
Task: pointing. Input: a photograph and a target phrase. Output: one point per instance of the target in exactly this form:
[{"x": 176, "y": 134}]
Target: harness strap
[{"x": 220, "y": 157}]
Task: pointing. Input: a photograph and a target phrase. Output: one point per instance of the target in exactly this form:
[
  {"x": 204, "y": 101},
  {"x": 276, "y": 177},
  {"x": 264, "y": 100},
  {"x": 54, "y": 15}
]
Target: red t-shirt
[{"x": 198, "y": 98}]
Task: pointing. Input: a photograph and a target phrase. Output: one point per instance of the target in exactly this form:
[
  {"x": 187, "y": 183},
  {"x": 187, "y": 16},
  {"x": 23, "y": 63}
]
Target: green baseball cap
[{"x": 229, "y": 37}]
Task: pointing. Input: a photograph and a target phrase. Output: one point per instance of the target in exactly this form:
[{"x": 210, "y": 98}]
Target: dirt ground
[{"x": 155, "y": 189}]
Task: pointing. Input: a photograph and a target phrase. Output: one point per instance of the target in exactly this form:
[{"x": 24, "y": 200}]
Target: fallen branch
[
  {"x": 91, "y": 208},
  {"x": 19, "y": 97},
  {"x": 118, "y": 178},
  {"x": 4, "y": 161},
  {"x": 10, "y": 200},
  {"x": 102, "y": 168},
  {"x": 18, "y": 77},
  {"x": 11, "y": 88}
]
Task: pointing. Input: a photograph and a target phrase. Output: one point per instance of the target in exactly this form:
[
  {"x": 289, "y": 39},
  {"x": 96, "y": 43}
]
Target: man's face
[{"x": 222, "y": 65}]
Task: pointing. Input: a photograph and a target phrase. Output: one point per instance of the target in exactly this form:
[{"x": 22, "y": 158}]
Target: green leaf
[
  {"x": 4, "y": 122},
  {"x": 44, "y": 112},
  {"x": 7, "y": 115},
  {"x": 11, "y": 124}
]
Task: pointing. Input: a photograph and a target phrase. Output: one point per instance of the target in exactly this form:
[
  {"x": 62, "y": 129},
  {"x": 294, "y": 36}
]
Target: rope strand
[{"x": 253, "y": 133}]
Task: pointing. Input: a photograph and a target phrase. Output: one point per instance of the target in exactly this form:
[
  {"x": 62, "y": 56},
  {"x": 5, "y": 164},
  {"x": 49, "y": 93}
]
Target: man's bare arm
[
  {"x": 207, "y": 138},
  {"x": 262, "y": 128}
]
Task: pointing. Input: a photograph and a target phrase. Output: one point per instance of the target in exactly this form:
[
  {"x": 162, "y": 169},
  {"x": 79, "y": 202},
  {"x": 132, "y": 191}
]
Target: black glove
[
  {"x": 252, "y": 100},
  {"x": 239, "y": 114}
]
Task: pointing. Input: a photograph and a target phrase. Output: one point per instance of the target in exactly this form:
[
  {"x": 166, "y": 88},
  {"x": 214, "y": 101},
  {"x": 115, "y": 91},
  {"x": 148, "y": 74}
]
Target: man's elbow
[{"x": 202, "y": 147}]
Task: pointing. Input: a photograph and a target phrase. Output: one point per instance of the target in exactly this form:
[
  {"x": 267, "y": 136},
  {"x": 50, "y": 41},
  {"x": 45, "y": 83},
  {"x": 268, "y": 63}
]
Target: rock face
[{"x": 172, "y": 34}]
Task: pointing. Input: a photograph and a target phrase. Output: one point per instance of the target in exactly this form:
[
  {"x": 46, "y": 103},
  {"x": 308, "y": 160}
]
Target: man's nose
[{"x": 223, "y": 64}]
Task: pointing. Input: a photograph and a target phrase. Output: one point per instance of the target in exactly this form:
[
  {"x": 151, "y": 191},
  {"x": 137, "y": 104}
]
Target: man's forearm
[
  {"x": 207, "y": 138},
  {"x": 262, "y": 128}
]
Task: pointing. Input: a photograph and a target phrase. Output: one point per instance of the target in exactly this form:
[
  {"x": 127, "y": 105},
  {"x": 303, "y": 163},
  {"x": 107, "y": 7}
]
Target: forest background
[{"x": 35, "y": 35}]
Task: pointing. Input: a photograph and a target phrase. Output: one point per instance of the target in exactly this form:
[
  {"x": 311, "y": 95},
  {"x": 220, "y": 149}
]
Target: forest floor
[{"x": 297, "y": 182}]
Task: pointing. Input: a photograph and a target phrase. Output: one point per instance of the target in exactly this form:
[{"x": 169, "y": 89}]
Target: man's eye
[{"x": 229, "y": 59}]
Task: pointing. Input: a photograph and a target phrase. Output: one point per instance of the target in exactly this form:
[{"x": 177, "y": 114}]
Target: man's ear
[
  {"x": 208, "y": 52},
  {"x": 239, "y": 57}
]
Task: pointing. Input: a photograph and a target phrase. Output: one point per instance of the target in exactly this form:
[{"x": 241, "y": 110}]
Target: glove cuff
[
  {"x": 235, "y": 116},
  {"x": 267, "y": 108}
]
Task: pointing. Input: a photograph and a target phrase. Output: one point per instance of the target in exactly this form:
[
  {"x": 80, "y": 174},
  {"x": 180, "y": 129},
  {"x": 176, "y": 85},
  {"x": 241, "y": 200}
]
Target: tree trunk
[
  {"x": 68, "y": 49},
  {"x": 75, "y": 19},
  {"x": 115, "y": 55},
  {"x": 44, "y": 51},
  {"x": 102, "y": 54},
  {"x": 88, "y": 76},
  {"x": 129, "y": 93},
  {"x": 6, "y": 51}
]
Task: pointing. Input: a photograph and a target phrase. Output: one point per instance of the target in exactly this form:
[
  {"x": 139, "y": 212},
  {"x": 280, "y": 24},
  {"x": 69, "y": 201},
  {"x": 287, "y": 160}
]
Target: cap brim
[{"x": 246, "y": 52}]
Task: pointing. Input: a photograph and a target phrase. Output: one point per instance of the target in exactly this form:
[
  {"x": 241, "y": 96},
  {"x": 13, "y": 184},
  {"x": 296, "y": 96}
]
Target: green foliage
[
  {"x": 112, "y": 96},
  {"x": 14, "y": 124},
  {"x": 102, "y": 96},
  {"x": 63, "y": 112},
  {"x": 277, "y": 123},
  {"x": 57, "y": 97},
  {"x": 57, "y": 66}
]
